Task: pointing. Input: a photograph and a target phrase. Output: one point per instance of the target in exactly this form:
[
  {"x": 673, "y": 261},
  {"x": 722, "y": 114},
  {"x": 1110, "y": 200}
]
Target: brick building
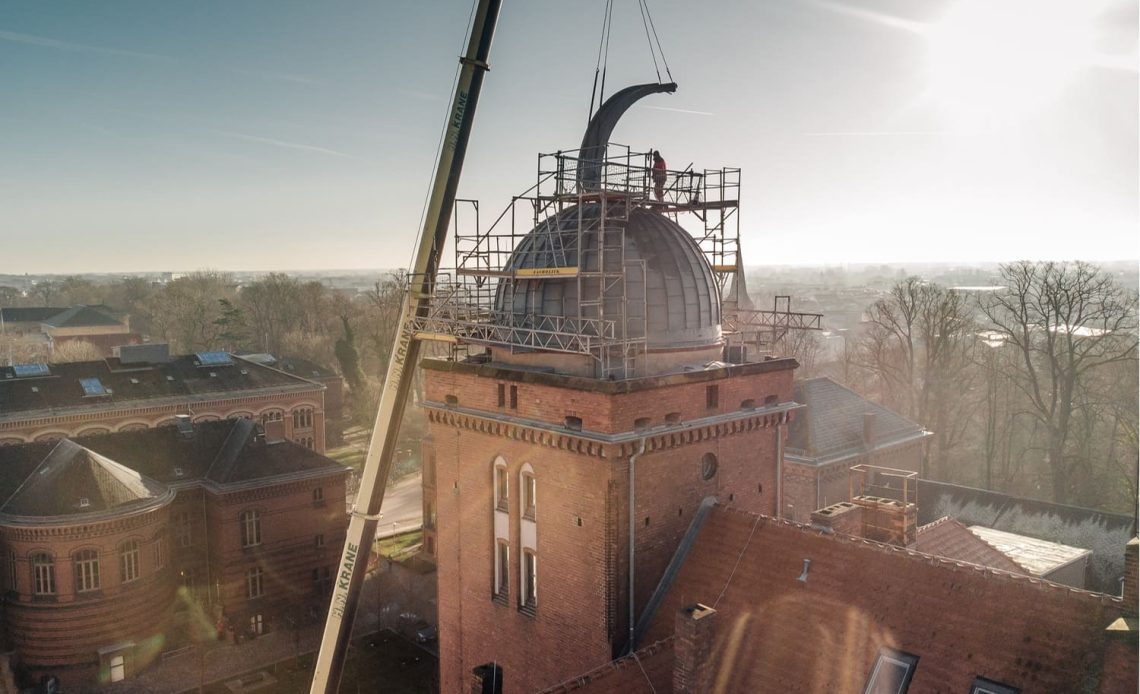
[
  {"x": 837, "y": 429},
  {"x": 331, "y": 380},
  {"x": 760, "y": 605},
  {"x": 98, "y": 325},
  {"x": 121, "y": 546},
  {"x": 145, "y": 387},
  {"x": 560, "y": 477}
]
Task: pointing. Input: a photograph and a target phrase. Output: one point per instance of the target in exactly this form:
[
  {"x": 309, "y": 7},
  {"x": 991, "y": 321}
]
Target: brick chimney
[
  {"x": 868, "y": 430},
  {"x": 844, "y": 518},
  {"x": 1120, "y": 668},
  {"x": 275, "y": 431},
  {"x": 1131, "y": 596},
  {"x": 695, "y": 631}
]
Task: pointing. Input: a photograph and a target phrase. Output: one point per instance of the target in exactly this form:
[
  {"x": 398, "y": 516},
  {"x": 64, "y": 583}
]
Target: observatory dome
[{"x": 669, "y": 297}]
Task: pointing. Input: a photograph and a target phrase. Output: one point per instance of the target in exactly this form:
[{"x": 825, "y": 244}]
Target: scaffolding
[
  {"x": 889, "y": 498},
  {"x": 561, "y": 229}
]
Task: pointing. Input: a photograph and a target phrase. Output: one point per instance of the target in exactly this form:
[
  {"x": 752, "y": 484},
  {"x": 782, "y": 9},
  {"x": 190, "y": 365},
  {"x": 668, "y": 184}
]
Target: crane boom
[{"x": 405, "y": 352}]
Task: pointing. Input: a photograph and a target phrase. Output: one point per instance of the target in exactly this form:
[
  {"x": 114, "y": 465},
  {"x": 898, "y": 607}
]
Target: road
[{"x": 403, "y": 506}]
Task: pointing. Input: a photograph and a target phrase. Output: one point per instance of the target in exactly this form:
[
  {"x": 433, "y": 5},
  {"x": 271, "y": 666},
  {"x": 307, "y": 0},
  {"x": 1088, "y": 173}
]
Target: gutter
[{"x": 632, "y": 534}]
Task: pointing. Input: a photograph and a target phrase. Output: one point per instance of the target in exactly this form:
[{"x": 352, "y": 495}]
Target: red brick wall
[
  {"x": 63, "y": 633},
  {"x": 582, "y": 609}
]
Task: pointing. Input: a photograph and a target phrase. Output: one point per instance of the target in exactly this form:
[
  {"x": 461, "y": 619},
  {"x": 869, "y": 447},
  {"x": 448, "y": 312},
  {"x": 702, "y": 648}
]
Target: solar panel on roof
[
  {"x": 30, "y": 370},
  {"x": 92, "y": 386},
  {"x": 213, "y": 358}
]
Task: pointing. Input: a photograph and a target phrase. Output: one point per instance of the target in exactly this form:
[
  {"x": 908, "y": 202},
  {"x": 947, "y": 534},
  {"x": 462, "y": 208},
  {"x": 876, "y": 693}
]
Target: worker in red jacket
[{"x": 659, "y": 176}]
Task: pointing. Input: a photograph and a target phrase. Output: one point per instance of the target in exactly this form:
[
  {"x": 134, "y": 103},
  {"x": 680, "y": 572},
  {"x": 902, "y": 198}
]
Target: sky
[{"x": 288, "y": 134}]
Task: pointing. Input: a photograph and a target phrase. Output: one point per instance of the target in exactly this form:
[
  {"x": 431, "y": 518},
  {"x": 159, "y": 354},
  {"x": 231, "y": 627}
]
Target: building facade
[
  {"x": 145, "y": 387},
  {"x": 121, "y": 546}
]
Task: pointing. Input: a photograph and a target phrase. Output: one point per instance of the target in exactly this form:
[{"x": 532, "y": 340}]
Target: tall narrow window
[
  {"x": 530, "y": 579},
  {"x": 253, "y": 583},
  {"x": 319, "y": 496},
  {"x": 250, "y": 528},
  {"x": 182, "y": 529},
  {"x": 502, "y": 392},
  {"x": 514, "y": 397},
  {"x": 129, "y": 561},
  {"x": 11, "y": 577},
  {"x": 502, "y": 569},
  {"x": 530, "y": 494},
  {"x": 712, "y": 397},
  {"x": 43, "y": 574},
  {"x": 86, "y": 571},
  {"x": 501, "y": 496},
  {"x": 160, "y": 551}
]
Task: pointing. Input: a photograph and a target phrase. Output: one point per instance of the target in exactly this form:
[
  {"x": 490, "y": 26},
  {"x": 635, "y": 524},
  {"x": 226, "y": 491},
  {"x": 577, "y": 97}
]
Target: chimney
[
  {"x": 868, "y": 430},
  {"x": 695, "y": 632},
  {"x": 1130, "y": 578},
  {"x": 1119, "y": 668},
  {"x": 275, "y": 431},
  {"x": 185, "y": 426},
  {"x": 844, "y": 518}
]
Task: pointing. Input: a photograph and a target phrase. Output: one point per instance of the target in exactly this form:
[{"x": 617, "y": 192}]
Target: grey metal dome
[{"x": 670, "y": 296}]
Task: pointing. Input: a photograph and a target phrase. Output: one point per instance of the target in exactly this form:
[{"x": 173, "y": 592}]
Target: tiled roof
[
  {"x": 775, "y": 633},
  {"x": 83, "y": 316},
  {"x": 220, "y": 453},
  {"x": 948, "y": 538},
  {"x": 74, "y": 479},
  {"x": 1038, "y": 557},
  {"x": 181, "y": 377},
  {"x": 833, "y": 419}
]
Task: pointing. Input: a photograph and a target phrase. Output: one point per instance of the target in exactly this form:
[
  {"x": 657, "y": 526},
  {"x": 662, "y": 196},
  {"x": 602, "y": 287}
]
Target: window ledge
[
  {"x": 500, "y": 599},
  {"x": 530, "y": 610}
]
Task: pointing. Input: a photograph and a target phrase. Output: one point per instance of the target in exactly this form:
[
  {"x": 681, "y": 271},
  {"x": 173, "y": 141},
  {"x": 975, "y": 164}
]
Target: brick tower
[{"x": 569, "y": 452}]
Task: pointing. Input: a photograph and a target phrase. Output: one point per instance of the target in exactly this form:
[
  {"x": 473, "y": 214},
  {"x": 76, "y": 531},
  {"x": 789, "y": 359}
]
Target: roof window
[
  {"x": 30, "y": 370},
  {"x": 981, "y": 685},
  {"x": 93, "y": 387},
  {"x": 213, "y": 359},
  {"x": 892, "y": 672},
  {"x": 84, "y": 502},
  {"x": 135, "y": 381}
]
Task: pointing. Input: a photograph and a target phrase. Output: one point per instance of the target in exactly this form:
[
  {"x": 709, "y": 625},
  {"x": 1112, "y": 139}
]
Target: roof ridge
[
  {"x": 937, "y": 522},
  {"x": 998, "y": 574}
]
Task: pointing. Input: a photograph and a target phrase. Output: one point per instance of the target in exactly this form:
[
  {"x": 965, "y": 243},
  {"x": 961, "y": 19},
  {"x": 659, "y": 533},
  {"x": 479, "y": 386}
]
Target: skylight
[
  {"x": 213, "y": 359},
  {"x": 31, "y": 370},
  {"x": 93, "y": 386}
]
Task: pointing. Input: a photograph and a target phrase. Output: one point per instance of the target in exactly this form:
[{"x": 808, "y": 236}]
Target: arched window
[
  {"x": 528, "y": 489},
  {"x": 250, "y": 528},
  {"x": 303, "y": 418},
  {"x": 43, "y": 574},
  {"x": 129, "y": 561},
  {"x": 86, "y": 570},
  {"x": 500, "y": 547},
  {"x": 502, "y": 488},
  {"x": 528, "y": 539}
]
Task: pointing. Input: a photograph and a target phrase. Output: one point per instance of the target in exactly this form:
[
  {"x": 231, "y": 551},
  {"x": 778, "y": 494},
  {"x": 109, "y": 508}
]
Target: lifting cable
[
  {"x": 649, "y": 26},
  {"x": 603, "y": 57}
]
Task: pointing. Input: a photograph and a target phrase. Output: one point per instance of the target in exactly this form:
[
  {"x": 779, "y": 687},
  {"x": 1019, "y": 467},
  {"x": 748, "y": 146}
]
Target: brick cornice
[{"x": 608, "y": 446}]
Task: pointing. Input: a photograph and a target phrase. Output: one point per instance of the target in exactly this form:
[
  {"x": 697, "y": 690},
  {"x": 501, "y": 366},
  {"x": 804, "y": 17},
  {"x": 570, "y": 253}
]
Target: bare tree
[
  {"x": 272, "y": 305},
  {"x": 75, "y": 350},
  {"x": 1065, "y": 321},
  {"x": 919, "y": 347}
]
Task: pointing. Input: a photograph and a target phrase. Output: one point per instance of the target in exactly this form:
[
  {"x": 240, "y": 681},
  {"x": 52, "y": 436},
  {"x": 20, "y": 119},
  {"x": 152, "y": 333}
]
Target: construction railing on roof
[
  {"x": 889, "y": 501},
  {"x": 564, "y": 228}
]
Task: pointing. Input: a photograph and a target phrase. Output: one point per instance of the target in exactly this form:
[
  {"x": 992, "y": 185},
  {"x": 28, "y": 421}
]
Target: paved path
[{"x": 402, "y": 508}]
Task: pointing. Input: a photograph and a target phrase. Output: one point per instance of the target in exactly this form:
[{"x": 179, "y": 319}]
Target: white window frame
[
  {"x": 254, "y": 586},
  {"x": 86, "y": 563},
  {"x": 43, "y": 574},
  {"x": 129, "y": 561},
  {"x": 250, "y": 528}
]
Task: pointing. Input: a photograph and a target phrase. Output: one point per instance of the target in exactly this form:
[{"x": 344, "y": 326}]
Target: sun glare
[{"x": 994, "y": 62}]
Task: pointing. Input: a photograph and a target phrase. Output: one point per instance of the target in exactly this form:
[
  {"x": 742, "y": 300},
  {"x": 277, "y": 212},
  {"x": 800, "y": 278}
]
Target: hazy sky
[{"x": 283, "y": 134}]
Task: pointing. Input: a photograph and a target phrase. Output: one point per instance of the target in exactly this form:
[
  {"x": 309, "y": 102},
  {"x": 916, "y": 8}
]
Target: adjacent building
[
  {"x": 121, "y": 546},
  {"x": 97, "y": 324},
  {"x": 143, "y": 386}
]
